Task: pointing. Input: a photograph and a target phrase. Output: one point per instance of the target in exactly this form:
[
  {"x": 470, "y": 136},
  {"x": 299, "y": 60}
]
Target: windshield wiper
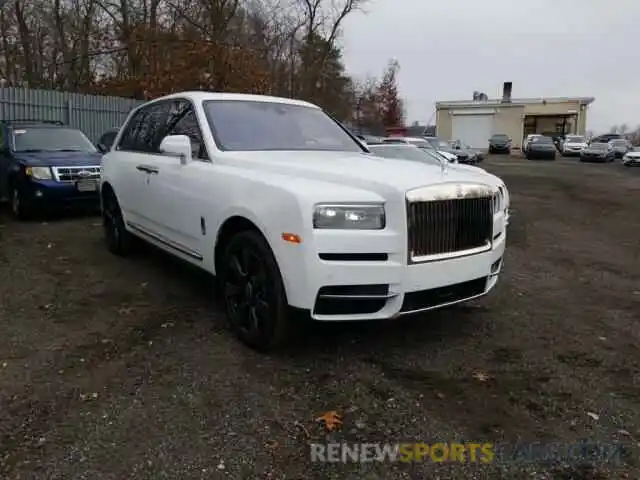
[
  {"x": 30, "y": 150},
  {"x": 67, "y": 150}
]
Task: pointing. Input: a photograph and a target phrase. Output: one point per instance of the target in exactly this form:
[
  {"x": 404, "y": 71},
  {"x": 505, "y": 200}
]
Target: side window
[
  {"x": 3, "y": 144},
  {"x": 182, "y": 121},
  {"x": 108, "y": 138},
  {"x": 144, "y": 132}
]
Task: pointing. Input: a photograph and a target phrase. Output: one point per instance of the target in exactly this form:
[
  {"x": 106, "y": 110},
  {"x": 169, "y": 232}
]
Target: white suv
[{"x": 288, "y": 209}]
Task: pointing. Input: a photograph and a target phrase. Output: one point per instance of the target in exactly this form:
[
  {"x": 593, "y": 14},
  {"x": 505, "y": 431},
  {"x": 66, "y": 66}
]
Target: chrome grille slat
[
  {"x": 72, "y": 174},
  {"x": 448, "y": 226}
]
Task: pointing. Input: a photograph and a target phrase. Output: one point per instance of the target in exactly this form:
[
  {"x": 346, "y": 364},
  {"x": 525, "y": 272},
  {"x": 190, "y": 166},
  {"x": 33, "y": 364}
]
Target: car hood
[
  {"x": 633, "y": 154},
  {"x": 498, "y": 142},
  {"x": 364, "y": 171},
  {"x": 58, "y": 159}
]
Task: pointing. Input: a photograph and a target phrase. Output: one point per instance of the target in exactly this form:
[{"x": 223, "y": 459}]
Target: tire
[
  {"x": 118, "y": 240},
  {"x": 253, "y": 292},
  {"x": 20, "y": 209}
]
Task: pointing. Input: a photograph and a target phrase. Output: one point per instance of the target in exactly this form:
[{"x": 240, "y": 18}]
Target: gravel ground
[{"x": 114, "y": 369}]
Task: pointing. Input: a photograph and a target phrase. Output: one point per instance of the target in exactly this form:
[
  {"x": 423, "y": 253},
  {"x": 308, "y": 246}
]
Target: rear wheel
[
  {"x": 254, "y": 294},
  {"x": 119, "y": 241}
]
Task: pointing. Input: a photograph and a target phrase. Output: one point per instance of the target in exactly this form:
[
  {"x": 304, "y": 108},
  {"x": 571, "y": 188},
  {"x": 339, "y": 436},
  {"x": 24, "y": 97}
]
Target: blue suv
[{"x": 46, "y": 166}]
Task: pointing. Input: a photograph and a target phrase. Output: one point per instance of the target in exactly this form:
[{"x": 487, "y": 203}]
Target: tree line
[{"x": 147, "y": 48}]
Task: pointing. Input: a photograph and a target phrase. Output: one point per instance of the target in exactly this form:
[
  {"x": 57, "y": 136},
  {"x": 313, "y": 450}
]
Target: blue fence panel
[{"x": 92, "y": 114}]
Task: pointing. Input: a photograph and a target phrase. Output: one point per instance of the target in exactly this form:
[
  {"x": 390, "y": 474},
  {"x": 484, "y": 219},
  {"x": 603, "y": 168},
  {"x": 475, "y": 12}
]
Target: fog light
[
  {"x": 496, "y": 265},
  {"x": 38, "y": 194}
]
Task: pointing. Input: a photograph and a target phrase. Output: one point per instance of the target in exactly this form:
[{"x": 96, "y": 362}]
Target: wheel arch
[{"x": 231, "y": 226}]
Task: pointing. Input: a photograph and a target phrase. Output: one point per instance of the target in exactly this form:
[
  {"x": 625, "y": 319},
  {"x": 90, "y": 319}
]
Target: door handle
[{"x": 148, "y": 169}]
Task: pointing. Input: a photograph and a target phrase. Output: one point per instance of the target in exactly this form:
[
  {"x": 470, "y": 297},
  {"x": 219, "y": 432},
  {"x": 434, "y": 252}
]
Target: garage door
[{"x": 473, "y": 129}]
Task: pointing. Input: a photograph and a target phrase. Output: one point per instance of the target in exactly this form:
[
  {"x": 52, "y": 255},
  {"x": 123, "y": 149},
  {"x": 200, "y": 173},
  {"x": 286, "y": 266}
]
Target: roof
[
  {"x": 495, "y": 102},
  {"x": 200, "y": 96}
]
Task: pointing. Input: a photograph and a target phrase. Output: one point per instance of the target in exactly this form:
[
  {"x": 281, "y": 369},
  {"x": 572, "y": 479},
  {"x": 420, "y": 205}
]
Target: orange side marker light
[{"x": 291, "y": 238}]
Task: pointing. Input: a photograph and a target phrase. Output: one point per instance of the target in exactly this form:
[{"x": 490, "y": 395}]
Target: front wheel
[
  {"x": 20, "y": 209},
  {"x": 253, "y": 291}
]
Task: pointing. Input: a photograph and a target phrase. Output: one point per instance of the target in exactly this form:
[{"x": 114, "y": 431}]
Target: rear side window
[{"x": 143, "y": 133}]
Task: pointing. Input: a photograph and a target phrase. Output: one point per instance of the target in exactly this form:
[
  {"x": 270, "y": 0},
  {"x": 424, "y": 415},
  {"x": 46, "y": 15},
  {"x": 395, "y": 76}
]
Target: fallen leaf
[
  {"x": 167, "y": 324},
  {"x": 125, "y": 311},
  {"x": 272, "y": 444},
  {"x": 4, "y": 364},
  {"x": 331, "y": 419},
  {"x": 595, "y": 416},
  {"x": 440, "y": 395},
  {"x": 481, "y": 376}
]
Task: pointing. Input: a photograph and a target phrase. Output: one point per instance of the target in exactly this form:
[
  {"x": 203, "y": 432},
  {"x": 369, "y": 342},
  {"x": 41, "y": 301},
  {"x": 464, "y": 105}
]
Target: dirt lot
[{"x": 114, "y": 369}]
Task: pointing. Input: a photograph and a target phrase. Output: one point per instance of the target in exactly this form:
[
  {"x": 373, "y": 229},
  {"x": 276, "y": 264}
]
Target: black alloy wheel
[
  {"x": 119, "y": 241},
  {"x": 253, "y": 291}
]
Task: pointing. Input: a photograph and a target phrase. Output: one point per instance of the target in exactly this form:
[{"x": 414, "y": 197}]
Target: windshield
[
  {"x": 599, "y": 146},
  {"x": 543, "y": 139},
  {"x": 574, "y": 139},
  {"x": 500, "y": 137},
  {"x": 250, "y": 125},
  {"x": 618, "y": 143},
  {"x": 51, "y": 139},
  {"x": 404, "y": 152}
]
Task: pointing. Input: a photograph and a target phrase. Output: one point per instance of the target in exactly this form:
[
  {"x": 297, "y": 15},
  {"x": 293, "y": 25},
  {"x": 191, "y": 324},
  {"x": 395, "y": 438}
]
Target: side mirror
[
  {"x": 177, "y": 146},
  {"x": 102, "y": 148}
]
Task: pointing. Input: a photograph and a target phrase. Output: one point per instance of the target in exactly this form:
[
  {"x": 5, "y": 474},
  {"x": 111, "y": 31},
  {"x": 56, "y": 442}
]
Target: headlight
[
  {"x": 349, "y": 217},
  {"x": 39, "y": 173},
  {"x": 501, "y": 199}
]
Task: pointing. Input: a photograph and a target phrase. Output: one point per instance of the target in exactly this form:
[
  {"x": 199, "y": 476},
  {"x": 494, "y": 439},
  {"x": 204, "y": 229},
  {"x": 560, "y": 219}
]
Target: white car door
[
  {"x": 175, "y": 190},
  {"x": 129, "y": 156}
]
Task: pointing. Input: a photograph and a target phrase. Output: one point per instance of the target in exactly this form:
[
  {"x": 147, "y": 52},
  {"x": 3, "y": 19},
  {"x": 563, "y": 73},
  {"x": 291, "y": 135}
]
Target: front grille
[
  {"x": 437, "y": 227},
  {"x": 74, "y": 174}
]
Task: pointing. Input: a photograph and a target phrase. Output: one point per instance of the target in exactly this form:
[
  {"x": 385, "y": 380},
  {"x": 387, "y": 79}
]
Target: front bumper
[
  {"x": 541, "y": 154},
  {"x": 571, "y": 153},
  {"x": 499, "y": 148},
  {"x": 631, "y": 161},
  {"x": 54, "y": 195},
  {"x": 593, "y": 158},
  {"x": 365, "y": 276}
]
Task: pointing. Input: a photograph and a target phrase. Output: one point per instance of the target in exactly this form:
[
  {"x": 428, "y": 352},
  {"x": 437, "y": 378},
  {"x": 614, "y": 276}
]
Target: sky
[{"x": 547, "y": 48}]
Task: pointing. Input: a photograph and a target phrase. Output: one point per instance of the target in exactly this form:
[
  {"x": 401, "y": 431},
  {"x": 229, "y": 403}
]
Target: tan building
[{"x": 475, "y": 121}]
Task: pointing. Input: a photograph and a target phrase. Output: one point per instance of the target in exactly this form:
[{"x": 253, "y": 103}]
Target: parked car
[
  {"x": 527, "y": 141},
  {"x": 408, "y": 152},
  {"x": 473, "y": 155},
  {"x": 597, "y": 152},
  {"x": 573, "y": 145},
  {"x": 541, "y": 148},
  {"x": 606, "y": 138},
  {"x": 632, "y": 158},
  {"x": 620, "y": 147},
  {"x": 291, "y": 213},
  {"x": 423, "y": 143},
  {"x": 461, "y": 156},
  {"x": 106, "y": 140},
  {"x": 46, "y": 166},
  {"x": 500, "y": 143}
]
